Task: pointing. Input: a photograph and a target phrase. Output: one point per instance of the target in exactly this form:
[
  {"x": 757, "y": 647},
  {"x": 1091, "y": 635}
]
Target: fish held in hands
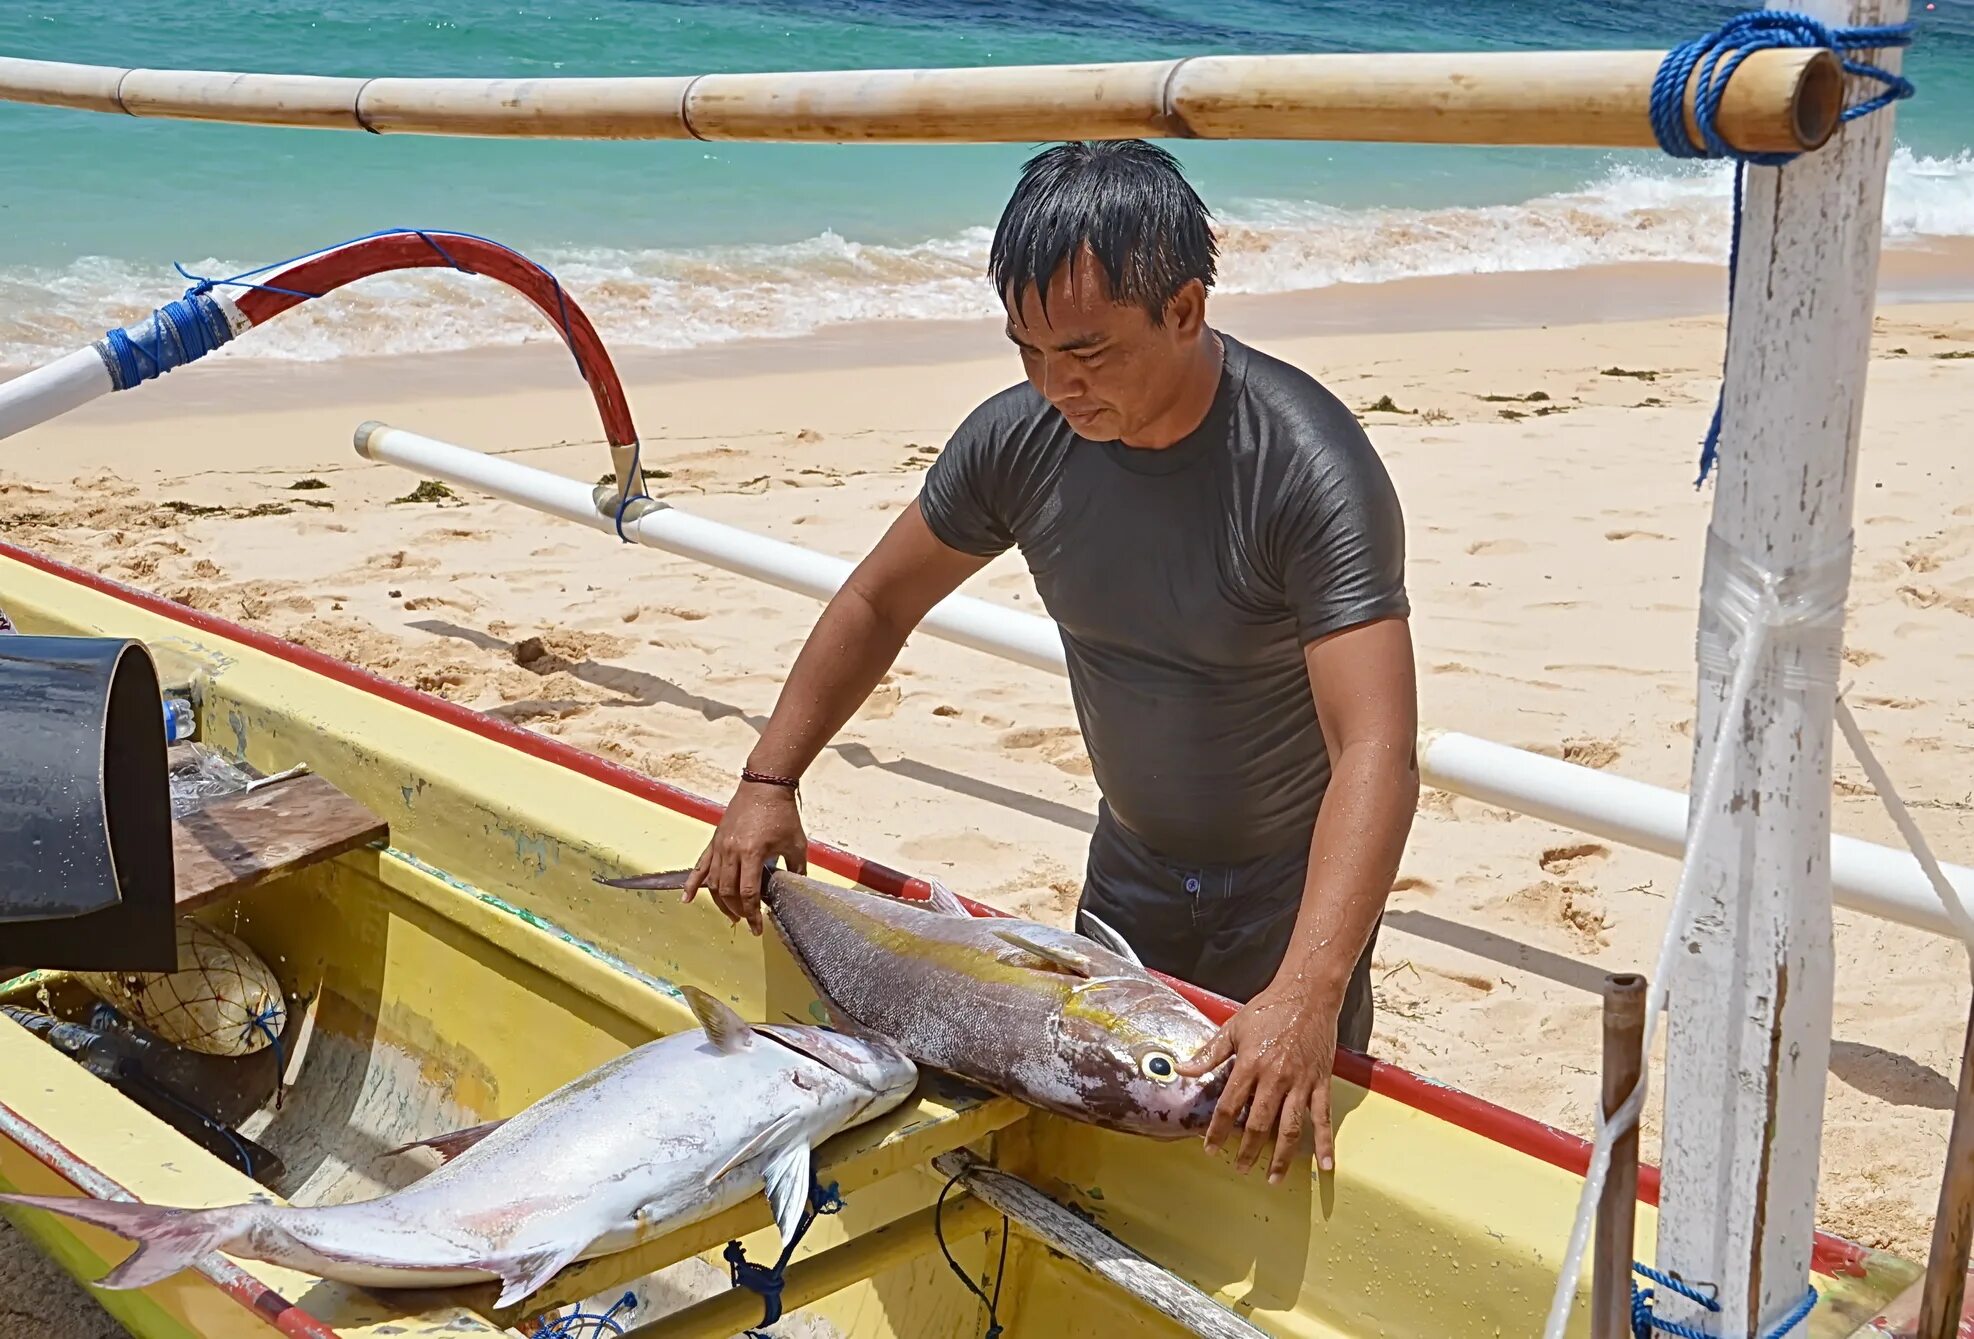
[
  {"x": 666, "y": 1134},
  {"x": 1058, "y": 1020}
]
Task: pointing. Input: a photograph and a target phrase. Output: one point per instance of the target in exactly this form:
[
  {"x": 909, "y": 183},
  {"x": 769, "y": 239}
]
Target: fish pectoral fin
[
  {"x": 522, "y": 1275},
  {"x": 1062, "y": 959},
  {"x": 759, "y": 1144},
  {"x": 1110, "y": 939},
  {"x": 452, "y": 1143},
  {"x": 785, "y": 1181},
  {"x": 671, "y": 879},
  {"x": 941, "y": 899},
  {"x": 727, "y": 1030}
]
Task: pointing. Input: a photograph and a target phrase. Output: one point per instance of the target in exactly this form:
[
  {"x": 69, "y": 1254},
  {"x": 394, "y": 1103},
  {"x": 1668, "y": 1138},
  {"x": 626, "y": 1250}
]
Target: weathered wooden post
[{"x": 1748, "y": 1041}]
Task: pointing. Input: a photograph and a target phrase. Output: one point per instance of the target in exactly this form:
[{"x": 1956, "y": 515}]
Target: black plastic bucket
[{"x": 86, "y": 878}]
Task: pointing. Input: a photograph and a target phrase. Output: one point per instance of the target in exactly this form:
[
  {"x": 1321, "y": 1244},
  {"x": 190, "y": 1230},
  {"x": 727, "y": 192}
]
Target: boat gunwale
[
  {"x": 1831, "y": 1255},
  {"x": 249, "y": 1291}
]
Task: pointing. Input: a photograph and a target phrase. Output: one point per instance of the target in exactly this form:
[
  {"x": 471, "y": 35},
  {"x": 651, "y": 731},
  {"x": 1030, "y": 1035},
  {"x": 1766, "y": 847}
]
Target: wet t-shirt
[{"x": 1186, "y": 582}]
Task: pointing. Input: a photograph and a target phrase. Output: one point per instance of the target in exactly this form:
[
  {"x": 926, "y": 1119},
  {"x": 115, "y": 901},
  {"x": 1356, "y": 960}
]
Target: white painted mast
[{"x": 1748, "y": 1040}]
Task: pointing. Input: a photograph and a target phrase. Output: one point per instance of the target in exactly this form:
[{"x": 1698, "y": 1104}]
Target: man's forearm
[
  {"x": 849, "y": 650},
  {"x": 1360, "y": 835}
]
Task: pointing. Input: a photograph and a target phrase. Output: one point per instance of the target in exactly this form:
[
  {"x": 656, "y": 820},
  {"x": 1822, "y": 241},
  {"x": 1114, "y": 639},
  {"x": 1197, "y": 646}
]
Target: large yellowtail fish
[
  {"x": 1054, "y": 1019},
  {"x": 666, "y": 1134}
]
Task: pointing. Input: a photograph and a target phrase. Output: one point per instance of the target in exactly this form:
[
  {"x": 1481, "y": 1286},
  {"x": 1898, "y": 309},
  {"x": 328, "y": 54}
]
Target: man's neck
[{"x": 1198, "y": 387}]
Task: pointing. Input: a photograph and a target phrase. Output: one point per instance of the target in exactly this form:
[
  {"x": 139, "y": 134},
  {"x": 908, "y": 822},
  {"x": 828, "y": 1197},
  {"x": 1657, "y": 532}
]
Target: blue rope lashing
[
  {"x": 1644, "y": 1324},
  {"x": 599, "y": 1322},
  {"x": 181, "y": 331},
  {"x": 768, "y": 1282},
  {"x": 1752, "y": 31},
  {"x": 624, "y": 502}
]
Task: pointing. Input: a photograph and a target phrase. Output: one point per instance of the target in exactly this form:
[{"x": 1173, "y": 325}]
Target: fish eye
[{"x": 1158, "y": 1066}]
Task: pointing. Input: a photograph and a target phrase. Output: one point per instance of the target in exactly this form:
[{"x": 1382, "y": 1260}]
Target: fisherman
[{"x": 1224, "y": 554}]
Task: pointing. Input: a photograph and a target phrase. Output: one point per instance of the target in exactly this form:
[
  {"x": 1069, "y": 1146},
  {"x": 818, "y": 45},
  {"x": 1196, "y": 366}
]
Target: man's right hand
[{"x": 761, "y": 822}]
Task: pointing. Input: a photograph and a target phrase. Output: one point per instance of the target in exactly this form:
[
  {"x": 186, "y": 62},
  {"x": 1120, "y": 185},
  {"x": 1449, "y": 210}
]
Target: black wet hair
[{"x": 1127, "y": 200}]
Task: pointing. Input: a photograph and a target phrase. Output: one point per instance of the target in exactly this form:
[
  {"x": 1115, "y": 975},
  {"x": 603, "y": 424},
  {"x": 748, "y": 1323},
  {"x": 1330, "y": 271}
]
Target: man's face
[{"x": 1104, "y": 365}]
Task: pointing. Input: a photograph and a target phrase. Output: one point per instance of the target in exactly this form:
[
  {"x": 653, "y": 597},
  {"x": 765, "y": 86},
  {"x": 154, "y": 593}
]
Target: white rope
[
  {"x": 1706, "y": 812},
  {"x": 1915, "y": 840},
  {"x": 1748, "y": 605}
]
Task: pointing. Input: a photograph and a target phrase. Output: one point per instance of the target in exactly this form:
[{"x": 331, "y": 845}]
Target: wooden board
[{"x": 238, "y": 841}]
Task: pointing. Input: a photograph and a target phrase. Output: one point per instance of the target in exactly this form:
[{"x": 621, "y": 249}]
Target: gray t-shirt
[{"x": 1186, "y": 582}]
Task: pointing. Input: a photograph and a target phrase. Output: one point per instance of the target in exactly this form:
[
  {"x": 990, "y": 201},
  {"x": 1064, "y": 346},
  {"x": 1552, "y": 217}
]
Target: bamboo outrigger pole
[{"x": 1776, "y": 101}]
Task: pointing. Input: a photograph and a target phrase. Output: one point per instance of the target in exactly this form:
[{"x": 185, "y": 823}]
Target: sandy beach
[{"x": 1544, "y": 442}]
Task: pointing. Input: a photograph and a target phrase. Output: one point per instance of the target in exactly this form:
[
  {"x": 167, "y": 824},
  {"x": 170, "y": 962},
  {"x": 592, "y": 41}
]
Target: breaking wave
[{"x": 675, "y": 299}]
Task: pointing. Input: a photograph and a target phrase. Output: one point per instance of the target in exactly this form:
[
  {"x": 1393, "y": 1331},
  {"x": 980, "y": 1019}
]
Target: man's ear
[{"x": 1186, "y": 312}]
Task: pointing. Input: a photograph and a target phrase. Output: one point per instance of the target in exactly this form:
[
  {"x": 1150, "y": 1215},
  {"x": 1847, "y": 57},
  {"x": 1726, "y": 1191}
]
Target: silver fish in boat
[
  {"x": 666, "y": 1134},
  {"x": 1058, "y": 1020}
]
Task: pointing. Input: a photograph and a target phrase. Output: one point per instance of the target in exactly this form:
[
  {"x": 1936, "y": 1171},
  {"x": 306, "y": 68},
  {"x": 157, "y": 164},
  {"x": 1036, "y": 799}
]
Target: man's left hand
[{"x": 1283, "y": 1044}]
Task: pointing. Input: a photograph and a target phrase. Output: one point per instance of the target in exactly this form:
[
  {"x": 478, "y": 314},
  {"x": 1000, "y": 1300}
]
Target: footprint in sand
[
  {"x": 1565, "y": 905},
  {"x": 1561, "y": 860},
  {"x": 1615, "y": 535},
  {"x": 1491, "y": 547},
  {"x": 1059, "y": 745}
]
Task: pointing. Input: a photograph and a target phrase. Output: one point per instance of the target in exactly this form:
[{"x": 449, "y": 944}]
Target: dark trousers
[{"x": 1223, "y": 927}]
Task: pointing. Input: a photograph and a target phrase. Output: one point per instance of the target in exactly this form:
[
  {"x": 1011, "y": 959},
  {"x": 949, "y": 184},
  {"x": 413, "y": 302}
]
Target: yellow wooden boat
[{"x": 470, "y": 965}]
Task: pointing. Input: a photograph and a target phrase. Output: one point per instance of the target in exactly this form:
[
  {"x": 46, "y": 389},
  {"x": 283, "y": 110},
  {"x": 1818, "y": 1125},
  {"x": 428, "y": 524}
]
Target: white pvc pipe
[
  {"x": 1876, "y": 880},
  {"x": 1866, "y": 877},
  {"x": 963, "y": 619},
  {"x": 52, "y": 389}
]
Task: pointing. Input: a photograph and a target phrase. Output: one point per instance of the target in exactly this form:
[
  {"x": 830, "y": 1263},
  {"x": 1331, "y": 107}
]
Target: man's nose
[{"x": 1062, "y": 379}]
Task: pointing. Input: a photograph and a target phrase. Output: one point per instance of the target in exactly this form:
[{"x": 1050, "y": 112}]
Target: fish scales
[{"x": 1053, "y": 1018}]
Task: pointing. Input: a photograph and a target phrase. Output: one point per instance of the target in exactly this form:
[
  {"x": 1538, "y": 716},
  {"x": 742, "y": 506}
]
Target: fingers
[
  {"x": 1294, "y": 1121},
  {"x": 1209, "y": 1057},
  {"x": 698, "y": 874},
  {"x": 1319, "y": 1118},
  {"x": 1262, "y": 1115},
  {"x": 751, "y": 872},
  {"x": 1227, "y": 1111}
]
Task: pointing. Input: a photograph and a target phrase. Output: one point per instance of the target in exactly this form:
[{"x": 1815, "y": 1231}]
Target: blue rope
[
  {"x": 190, "y": 327},
  {"x": 1752, "y": 31},
  {"x": 1644, "y": 1324},
  {"x": 564, "y": 1327},
  {"x": 177, "y": 333},
  {"x": 769, "y": 1282}
]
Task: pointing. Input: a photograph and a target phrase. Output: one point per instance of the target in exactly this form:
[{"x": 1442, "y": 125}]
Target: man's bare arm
[
  {"x": 1283, "y": 1042},
  {"x": 854, "y": 642}
]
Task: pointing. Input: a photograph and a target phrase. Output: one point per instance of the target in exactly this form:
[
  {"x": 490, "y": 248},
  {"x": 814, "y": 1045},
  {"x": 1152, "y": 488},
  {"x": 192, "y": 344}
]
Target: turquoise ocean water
[{"x": 673, "y": 245}]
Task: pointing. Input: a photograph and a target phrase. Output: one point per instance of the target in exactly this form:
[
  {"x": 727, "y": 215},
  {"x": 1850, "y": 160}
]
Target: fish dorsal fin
[
  {"x": 452, "y": 1143},
  {"x": 785, "y": 1181},
  {"x": 1060, "y": 958},
  {"x": 940, "y": 898},
  {"x": 1109, "y": 938},
  {"x": 727, "y": 1030},
  {"x": 759, "y": 1144}
]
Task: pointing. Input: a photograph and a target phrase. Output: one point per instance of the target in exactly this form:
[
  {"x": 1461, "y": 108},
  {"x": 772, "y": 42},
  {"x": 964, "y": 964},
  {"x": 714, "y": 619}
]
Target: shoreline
[{"x": 1431, "y": 305}]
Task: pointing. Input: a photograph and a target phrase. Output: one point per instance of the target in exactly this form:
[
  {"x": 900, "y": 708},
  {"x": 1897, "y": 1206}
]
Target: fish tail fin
[{"x": 168, "y": 1240}]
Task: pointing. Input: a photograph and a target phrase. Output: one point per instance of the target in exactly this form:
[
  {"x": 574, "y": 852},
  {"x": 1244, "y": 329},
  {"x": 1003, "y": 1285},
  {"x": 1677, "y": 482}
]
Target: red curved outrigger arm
[{"x": 431, "y": 248}]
